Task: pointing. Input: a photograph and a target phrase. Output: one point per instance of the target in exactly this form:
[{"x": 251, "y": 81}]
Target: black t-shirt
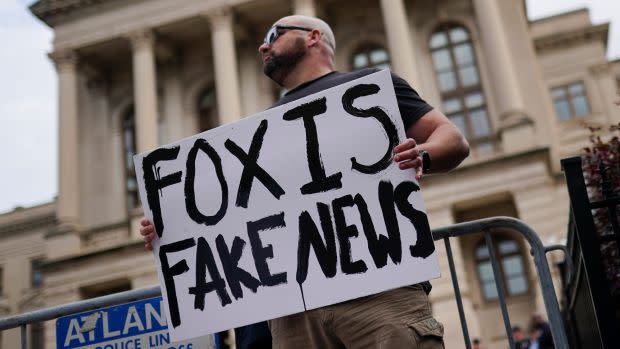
[{"x": 411, "y": 106}]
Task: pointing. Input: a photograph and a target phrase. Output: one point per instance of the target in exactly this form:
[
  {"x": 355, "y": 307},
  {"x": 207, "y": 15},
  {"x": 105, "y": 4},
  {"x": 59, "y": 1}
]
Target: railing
[
  {"x": 537, "y": 251},
  {"x": 487, "y": 226},
  {"x": 589, "y": 308}
]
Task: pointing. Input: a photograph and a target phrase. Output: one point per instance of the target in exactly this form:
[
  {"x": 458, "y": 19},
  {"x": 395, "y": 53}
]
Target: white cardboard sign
[{"x": 295, "y": 208}]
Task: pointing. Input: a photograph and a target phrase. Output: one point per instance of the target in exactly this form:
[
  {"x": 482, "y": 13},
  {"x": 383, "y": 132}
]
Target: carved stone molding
[
  {"x": 571, "y": 38},
  {"x": 600, "y": 69},
  {"x": 167, "y": 52},
  {"x": 28, "y": 224},
  {"x": 64, "y": 60},
  {"x": 514, "y": 118},
  {"x": 140, "y": 39},
  {"x": 47, "y": 10},
  {"x": 220, "y": 18},
  {"x": 63, "y": 227}
]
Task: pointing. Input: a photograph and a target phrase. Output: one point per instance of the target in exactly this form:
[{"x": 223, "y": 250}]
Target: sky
[{"x": 28, "y": 95}]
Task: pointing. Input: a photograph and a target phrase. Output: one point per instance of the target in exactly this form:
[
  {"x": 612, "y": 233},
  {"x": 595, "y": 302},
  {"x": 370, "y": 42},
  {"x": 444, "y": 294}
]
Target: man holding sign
[{"x": 298, "y": 54}]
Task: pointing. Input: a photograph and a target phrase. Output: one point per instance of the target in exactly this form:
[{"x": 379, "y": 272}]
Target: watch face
[{"x": 426, "y": 161}]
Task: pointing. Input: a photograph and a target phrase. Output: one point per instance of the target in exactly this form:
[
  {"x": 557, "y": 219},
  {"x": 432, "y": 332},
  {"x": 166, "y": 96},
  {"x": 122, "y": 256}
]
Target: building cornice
[
  {"x": 30, "y": 223},
  {"x": 569, "y": 38},
  {"x": 45, "y": 10},
  {"x": 559, "y": 15}
]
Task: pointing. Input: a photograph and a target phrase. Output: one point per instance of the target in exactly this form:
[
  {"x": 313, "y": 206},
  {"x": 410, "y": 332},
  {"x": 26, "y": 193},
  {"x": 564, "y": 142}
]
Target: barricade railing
[
  {"x": 538, "y": 252},
  {"x": 486, "y": 226}
]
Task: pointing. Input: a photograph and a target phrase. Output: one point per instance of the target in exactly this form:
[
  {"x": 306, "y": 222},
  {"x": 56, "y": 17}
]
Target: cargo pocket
[{"x": 428, "y": 334}]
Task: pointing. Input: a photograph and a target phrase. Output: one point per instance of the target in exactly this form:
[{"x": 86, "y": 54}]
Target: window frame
[
  {"x": 128, "y": 120},
  {"x": 366, "y": 49},
  {"x": 207, "y": 122},
  {"x": 569, "y": 97},
  {"x": 36, "y": 269},
  {"x": 460, "y": 92},
  {"x": 496, "y": 240}
]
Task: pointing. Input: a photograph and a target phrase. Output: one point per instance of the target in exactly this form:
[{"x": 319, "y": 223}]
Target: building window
[
  {"x": 462, "y": 98},
  {"x": 371, "y": 56},
  {"x": 511, "y": 266},
  {"x": 207, "y": 110},
  {"x": 129, "y": 150},
  {"x": 570, "y": 100},
  {"x": 36, "y": 273}
]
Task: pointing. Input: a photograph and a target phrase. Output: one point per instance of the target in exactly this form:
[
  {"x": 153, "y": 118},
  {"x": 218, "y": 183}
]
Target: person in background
[
  {"x": 546, "y": 339},
  {"x": 534, "y": 339},
  {"x": 519, "y": 338}
]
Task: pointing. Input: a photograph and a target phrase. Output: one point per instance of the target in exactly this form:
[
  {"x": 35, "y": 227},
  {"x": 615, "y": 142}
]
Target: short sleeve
[{"x": 412, "y": 107}]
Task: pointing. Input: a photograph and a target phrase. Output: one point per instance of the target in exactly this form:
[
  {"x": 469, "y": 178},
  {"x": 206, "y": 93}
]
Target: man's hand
[
  {"x": 147, "y": 230},
  {"x": 407, "y": 154}
]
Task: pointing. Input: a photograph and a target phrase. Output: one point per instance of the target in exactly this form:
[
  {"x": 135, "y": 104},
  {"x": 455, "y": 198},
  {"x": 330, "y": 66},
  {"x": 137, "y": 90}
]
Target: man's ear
[{"x": 314, "y": 37}]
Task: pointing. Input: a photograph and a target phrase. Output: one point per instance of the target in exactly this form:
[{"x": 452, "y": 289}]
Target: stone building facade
[{"x": 134, "y": 74}]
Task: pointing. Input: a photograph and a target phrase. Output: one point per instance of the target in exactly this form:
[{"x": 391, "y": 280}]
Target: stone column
[
  {"x": 250, "y": 85},
  {"x": 399, "y": 39},
  {"x": 68, "y": 206},
  {"x": 505, "y": 86},
  {"x": 173, "y": 114},
  {"x": 304, "y": 7},
  {"x": 144, "y": 89},
  {"x": 225, "y": 65},
  {"x": 64, "y": 238}
]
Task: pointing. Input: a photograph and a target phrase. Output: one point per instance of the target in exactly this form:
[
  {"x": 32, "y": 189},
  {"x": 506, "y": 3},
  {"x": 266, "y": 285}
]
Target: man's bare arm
[{"x": 435, "y": 134}]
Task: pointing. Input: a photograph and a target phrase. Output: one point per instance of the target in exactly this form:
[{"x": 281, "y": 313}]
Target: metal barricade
[
  {"x": 538, "y": 251},
  {"x": 487, "y": 226}
]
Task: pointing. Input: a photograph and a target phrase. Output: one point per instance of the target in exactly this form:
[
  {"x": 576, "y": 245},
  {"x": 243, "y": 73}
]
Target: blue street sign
[{"x": 136, "y": 325}]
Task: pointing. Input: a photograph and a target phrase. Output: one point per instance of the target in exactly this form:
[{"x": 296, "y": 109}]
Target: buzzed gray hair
[{"x": 313, "y": 22}]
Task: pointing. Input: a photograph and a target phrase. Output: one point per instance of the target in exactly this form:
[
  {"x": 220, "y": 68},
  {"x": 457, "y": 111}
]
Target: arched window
[
  {"x": 370, "y": 56},
  {"x": 511, "y": 266},
  {"x": 129, "y": 150},
  {"x": 459, "y": 84},
  {"x": 207, "y": 110}
]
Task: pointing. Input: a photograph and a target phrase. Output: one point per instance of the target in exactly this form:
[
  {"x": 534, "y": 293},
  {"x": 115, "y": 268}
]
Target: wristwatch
[{"x": 426, "y": 161}]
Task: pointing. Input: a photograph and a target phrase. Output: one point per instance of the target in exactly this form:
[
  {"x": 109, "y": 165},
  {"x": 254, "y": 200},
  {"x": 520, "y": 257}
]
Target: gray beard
[{"x": 280, "y": 66}]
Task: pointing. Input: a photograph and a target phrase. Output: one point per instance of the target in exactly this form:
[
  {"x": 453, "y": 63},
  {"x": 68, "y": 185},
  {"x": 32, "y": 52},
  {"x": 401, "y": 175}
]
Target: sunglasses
[{"x": 278, "y": 30}]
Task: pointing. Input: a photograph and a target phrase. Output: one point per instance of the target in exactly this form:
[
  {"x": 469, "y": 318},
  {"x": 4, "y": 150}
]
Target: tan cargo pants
[{"x": 399, "y": 318}]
